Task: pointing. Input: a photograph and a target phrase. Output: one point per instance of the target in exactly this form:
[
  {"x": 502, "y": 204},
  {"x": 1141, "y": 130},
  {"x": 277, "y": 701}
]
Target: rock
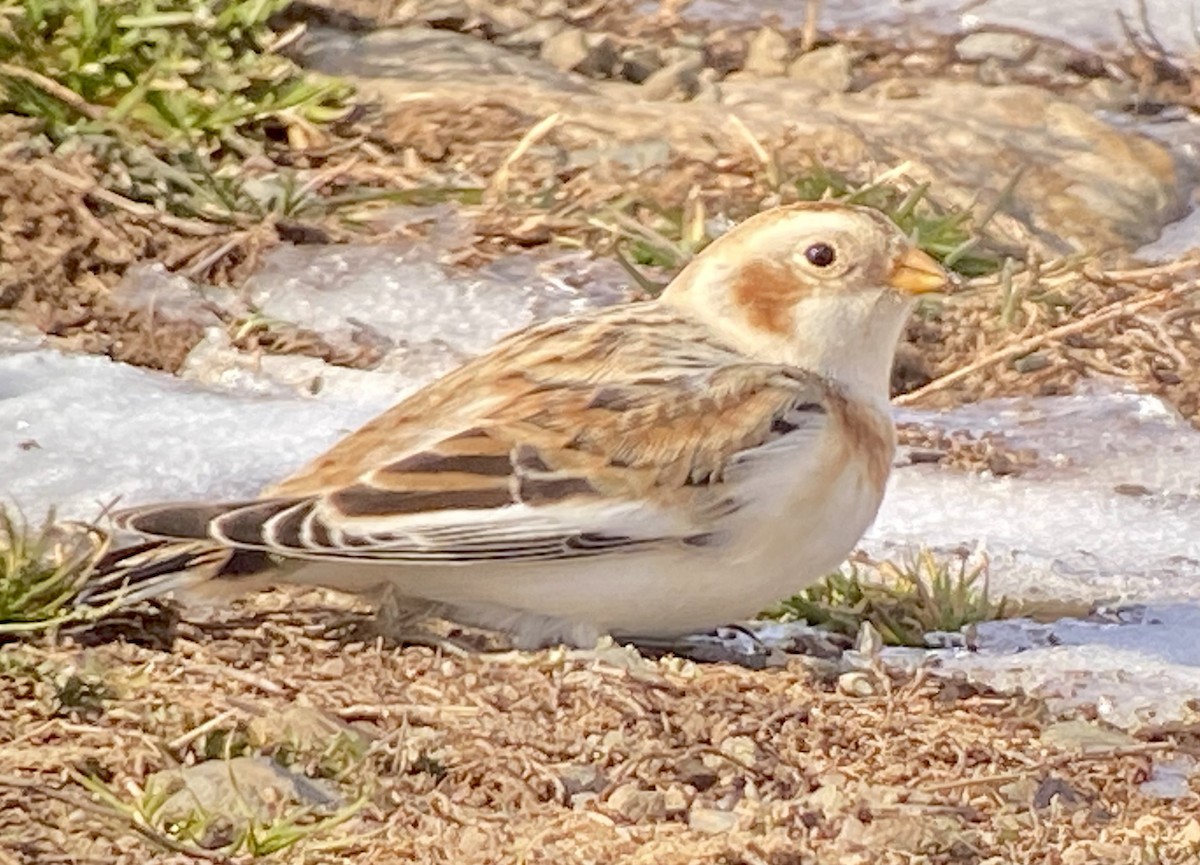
[
  {"x": 994, "y": 73},
  {"x": 603, "y": 56},
  {"x": 710, "y": 821},
  {"x": 421, "y": 54},
  {"x": 830, "y": 796},
  {"x": 566, "y": 49},
  {"x": 767, "y": 54},
  {"x": 1190, "y": 834},
  {"x": 982, "y": 45},
  {"x": 825, "y": 68},
  {"x": 1019, "y": 792},
  {"x": 1107, "y": 94},
  {"x": 581, "y": 778},
  {"x": 305, "y": 731},
  {"x": 636, "y": 805},
  {"x": 534, "y": 35},
  {"x": 639, "y": 63},
  {"x": 1054, "y": 62},
  {"x": 695, "y": 772},
  {"x": 242, "y": 790},
  {"x": 1084, "y": 185},
  {"x": 680, "y": 78},
  {"x": 637, "y": 156},
  {"x": 905, "y": 835},
  {"x": 868, "y": 642},
  {"x": 684, "y": 49},
  {"x": 503, "y": 20},
  {"x": 573, "y": 50},
  {"x": 708, "y": 87},
  {"x": 725, "y": 51},
  {"x": 495, "y": 19},
  {"x": 740, "y": 749},
  {"x": 1051, "y": 788},
  {"x": 445, "y": 14},
  {"x": 1084, "y": 736},
  {"x": 857, "y": 683},
  {"x": 675, "y": 799}
]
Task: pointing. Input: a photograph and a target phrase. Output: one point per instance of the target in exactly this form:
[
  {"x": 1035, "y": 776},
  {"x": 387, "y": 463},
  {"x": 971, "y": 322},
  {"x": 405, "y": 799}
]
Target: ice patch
[
  {"x": 1139, "y": 669},
  {"x": 78, "y": 431},
  {"x": 1112, "y": 512},
  {"x": 1083, "y": 23},
  {"x": 436, "y": 317}
]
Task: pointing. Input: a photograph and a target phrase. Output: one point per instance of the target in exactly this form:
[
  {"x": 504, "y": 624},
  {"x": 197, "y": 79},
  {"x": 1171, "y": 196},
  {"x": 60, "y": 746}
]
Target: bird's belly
[{"x": 773, "y": 550}]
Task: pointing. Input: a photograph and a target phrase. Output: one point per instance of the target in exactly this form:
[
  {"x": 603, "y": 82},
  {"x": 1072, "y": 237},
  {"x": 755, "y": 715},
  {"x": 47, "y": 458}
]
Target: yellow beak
[{"x": 917, "y": 272}]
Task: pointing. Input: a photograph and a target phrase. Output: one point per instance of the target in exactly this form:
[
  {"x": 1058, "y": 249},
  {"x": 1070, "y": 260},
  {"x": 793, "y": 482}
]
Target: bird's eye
[{"x": 820, "y": 255}]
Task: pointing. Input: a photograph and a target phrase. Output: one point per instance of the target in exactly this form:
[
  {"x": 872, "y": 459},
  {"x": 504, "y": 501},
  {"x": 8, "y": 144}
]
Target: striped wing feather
[{"x": 577, "y": 470}]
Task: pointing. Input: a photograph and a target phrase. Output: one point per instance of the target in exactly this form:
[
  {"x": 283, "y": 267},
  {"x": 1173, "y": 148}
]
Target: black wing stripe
[
  {"x": 793, "y": 419},
  {"x": 246, "y": 525},
  {"x": 542, "y": 491},
  {"x": 366, "y": 501},
  {"x": 483, "y": 465},
  {"x": 180, "y": 521}
]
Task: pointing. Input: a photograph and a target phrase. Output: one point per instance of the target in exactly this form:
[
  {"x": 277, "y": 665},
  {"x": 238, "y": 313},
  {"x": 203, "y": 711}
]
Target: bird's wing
[{"x": 556, "y": 469}]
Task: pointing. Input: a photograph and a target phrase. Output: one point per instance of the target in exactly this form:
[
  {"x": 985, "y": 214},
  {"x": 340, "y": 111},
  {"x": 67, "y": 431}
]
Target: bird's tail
[{"x": 151, "y": 570}]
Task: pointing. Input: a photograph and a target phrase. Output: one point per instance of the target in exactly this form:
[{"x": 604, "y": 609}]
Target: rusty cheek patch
[
  {"x": 869, "y": 437},
  {"x": 767, "y": 294}
]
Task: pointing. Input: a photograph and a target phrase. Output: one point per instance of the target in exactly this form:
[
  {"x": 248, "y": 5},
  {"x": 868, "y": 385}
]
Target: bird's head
[{"x": 822, "y": 286}]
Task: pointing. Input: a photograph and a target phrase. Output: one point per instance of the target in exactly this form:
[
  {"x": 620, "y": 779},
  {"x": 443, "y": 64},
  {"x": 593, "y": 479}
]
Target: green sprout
[
  {"x": 42, "y": 570},
  {"x": 168, "y": 70},
  {"x": 200, "y": 828},
  {"x": 903, "y": 601}
]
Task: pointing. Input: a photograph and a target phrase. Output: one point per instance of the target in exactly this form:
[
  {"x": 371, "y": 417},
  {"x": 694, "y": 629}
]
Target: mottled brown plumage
[{"x": 648, "y": 468}]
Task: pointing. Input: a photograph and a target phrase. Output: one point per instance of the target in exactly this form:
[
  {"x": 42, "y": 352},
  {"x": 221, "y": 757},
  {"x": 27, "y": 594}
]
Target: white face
[
  {"x": 822, "y": 286},
  {"x": 826, "y": 247}
]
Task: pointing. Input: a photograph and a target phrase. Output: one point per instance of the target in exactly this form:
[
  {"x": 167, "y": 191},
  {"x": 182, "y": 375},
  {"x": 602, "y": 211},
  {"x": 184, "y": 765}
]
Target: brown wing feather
[
  {"x": 666, "y": 411},
  {"x": 551, "y": 418}
]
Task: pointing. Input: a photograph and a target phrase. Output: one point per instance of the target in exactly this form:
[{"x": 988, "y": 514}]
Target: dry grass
[
  {"x": 1032, "y": 328},
  {"x": 1041, "y": 329},
  {"x": 559, "y": 756}
]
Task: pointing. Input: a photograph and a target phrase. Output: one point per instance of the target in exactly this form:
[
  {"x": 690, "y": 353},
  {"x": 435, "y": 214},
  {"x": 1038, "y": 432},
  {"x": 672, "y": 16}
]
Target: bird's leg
[{"x": 403, "y": 619}]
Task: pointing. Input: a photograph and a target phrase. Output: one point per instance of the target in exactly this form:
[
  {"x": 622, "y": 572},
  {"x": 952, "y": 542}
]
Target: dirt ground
[
  {"x": 555, "y": 756},
  {"x": 562, "y": 756}
]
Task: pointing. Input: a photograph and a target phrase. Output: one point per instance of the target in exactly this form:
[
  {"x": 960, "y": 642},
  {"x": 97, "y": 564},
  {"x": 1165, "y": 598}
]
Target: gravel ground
[{"x": 552, "y": 756}]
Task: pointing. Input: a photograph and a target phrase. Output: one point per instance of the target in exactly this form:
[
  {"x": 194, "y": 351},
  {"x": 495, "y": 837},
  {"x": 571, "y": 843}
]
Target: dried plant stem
[
  {"x": 1107, "y": 313},
  {"x": 48, "y": 85},
  {"x": 498, "y": 186},
  {"x": 148, "y": 212},
  {"x": 812, "y": 11},
  {"x": 39, "y": 787}
]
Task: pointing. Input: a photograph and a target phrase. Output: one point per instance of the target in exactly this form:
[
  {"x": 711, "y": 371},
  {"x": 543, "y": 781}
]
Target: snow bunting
[{"x": 648, "y": 470}]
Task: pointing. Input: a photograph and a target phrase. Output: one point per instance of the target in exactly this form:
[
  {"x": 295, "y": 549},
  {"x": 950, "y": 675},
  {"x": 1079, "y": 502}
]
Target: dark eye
[{"x": 820, "y": 255}]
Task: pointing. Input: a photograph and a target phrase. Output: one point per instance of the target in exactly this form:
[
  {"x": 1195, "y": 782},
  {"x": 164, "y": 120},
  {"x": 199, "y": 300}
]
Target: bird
[{"x": 648, "y": 470}]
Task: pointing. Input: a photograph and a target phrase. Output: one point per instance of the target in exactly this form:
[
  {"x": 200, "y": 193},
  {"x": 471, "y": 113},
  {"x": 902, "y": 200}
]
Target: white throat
[{"x": 851, "y": 341}]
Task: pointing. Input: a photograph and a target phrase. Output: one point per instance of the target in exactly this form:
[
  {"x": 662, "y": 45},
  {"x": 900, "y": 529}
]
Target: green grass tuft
[
  {"x": 42, "y": 570},
  {"x": 173, "y": 71},
  {"x": 202, "y": 829},
  {"x": 171, "y": 97},
  {"x": 650, "y": 235},
  {"x": 903, "y": 601},
  {"x": 950, "y": 236}
]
